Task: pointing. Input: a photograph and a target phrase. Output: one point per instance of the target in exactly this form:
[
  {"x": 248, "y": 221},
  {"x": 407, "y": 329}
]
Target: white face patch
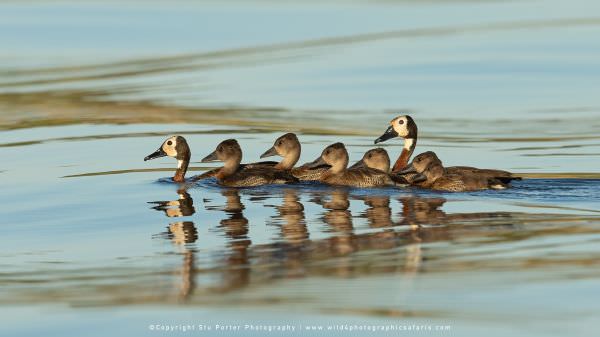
[
  {"x": 400, "y": 125},
  {"x": 169, "y": 146}
]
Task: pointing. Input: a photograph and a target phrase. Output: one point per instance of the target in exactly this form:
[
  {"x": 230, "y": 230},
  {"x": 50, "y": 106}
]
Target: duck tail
[{"x": 501, "y": 183}]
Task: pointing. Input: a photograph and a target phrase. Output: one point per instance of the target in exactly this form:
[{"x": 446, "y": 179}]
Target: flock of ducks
[{"x": 331, "y": 167}]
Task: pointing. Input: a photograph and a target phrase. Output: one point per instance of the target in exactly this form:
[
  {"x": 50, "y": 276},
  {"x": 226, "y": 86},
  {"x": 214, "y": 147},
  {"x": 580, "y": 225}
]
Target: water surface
[{"x": 96, "y": 237}]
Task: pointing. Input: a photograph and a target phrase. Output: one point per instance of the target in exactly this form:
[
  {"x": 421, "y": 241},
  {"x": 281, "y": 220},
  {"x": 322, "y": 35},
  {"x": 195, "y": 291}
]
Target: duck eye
[
  {"x": 369, "y": 156},
  {"x": 279, "y": 142},
  {"x": 401, "y": 122},
  {"x": 169, "y": 143}
]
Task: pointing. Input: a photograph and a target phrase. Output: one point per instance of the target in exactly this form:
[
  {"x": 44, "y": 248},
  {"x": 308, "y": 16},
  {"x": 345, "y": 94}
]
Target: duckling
[
  {"x": 288, "y": 147},
  {"x": 436, "y": 177},
  {"x": 176, "y": 147},
  {"x": 379, "y": 159},
  {"x": 229, "y": 152},
  {"x": 405, "y": 127},
  {"x": 336, "y": 156}
]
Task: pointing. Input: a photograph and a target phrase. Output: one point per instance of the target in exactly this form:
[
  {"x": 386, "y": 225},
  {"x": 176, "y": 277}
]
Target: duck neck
[
  {"x": 407, "y": 151},
  {"x": 288, "y": 162},
  {"x": 339, "y": 166},
  {"x": 182, "y": 166},
  {"x": 230, "y": 167}
]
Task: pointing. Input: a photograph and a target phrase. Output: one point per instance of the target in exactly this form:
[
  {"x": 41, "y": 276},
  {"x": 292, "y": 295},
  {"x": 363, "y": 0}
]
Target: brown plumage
[
  {"x": 406, "y": 128},
  {"x": 232, "y": 175},
  {"x": 336, "y": 156},
  {"x": 288, "y": 147},
  {"x": 379, "y": 159},
  {"x": 434, "y": 176}
]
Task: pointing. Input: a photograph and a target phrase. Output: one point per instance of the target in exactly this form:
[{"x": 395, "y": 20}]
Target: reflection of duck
[
  {"x": 176, "y": 208},
  {"x": 336, "y": 156},
  {"x": 417, "y": 211},
  {"x": 434, "y": 176},
  {"x": 379, "y": 213},
  {"x": 230, "y": 174},
  {"x": 291, "y": 216},
  {"x": 235, "y": 226},
  {"x": 176, "y": 147},
  {"x": 406, "y": 128},
  {"x": 182, "y": 233},
  {"x": 288, "y": 147},
  {"x": 339, "y": 219}
]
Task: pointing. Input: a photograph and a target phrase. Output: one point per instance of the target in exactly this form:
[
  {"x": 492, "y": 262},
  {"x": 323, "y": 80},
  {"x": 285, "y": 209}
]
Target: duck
[
  {"x": 404, "y": 126},
  {"x": 176, "y": 147},
  {"x": 336, "y": 156},
  {"x": 433, "y": 175},
  {"x": 232, "y": 175},
  {"x": 288, "y": 146},
  {"x": 379, "y": 159}
]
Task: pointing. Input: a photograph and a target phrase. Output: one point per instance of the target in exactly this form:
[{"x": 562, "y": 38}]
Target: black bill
[
  {"x": 388, "y": 134},
  {"x": 156, "y": 154}
]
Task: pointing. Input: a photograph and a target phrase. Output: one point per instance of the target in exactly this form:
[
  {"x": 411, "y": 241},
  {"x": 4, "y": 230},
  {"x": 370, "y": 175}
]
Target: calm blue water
[{"x": 98, "y": 241}]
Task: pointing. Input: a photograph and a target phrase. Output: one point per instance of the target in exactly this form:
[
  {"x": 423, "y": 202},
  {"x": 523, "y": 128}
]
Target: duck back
[
  {"x": 257, "y": 176},
  {"x": 214, "y": 172},
  {"x": 304, "y": 173},
  {"x": 361, "y": 177}
]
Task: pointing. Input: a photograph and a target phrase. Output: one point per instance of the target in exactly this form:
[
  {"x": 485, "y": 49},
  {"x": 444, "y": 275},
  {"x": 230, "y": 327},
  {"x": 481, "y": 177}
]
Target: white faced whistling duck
[
  {"x": 336, "y": 156},
  {"x": 434, "y": 176},
  {"x": 176, "y": 147},
  {"x": 232, "y": 175},
  {"x": 288, "y": 147}
]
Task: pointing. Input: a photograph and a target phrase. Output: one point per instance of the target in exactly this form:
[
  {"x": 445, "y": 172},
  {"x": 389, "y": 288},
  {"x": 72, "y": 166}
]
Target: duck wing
[
  {"x": 491, "y": 173},
  {"x": 258, "y": 176},
  {"x": 452, "y": 183},
  {"x": 259, "y": 164},
  {"x": 304, "y": 173},
  {"x": 213, "y": 172},
  {"x": 362, "y": 177}
]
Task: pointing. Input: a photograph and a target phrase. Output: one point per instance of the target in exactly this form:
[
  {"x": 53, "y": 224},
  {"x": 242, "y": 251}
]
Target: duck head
[
  {"x": 404, "y": 127},
  {"x": 288, "y": 147},
  {"x": 176, "y": 147},
  {"x": 427, "y": 165},
  {"x": 334, "y": 155},
  {"x": 376, "y": 159},
  {"x": 229, "y": 152}
]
